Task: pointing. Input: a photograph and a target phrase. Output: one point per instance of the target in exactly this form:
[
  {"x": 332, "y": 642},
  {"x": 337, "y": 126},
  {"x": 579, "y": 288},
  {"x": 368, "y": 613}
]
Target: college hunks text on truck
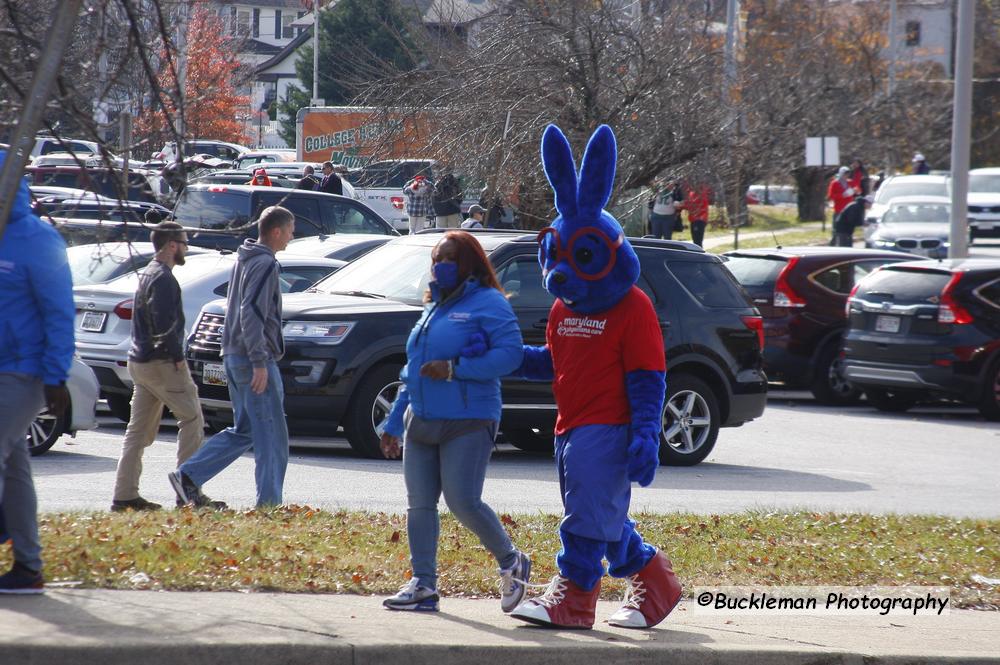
[{"x": 354, "y": 135}]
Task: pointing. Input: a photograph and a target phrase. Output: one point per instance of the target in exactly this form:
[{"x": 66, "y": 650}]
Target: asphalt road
[{"x": 798, "y": 455}]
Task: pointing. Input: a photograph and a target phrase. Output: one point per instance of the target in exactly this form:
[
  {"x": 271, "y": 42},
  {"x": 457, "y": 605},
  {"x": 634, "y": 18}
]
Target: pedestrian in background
[
  {"x": 850, "y": 218},
  {"x": 663, "y": 210},
  {"x": 448, "y": 201},
  {"x": 308, "y": 180},
  {"x": 920, "y": 165},
  {"x": 419, "y": 193},
  {"x": 160, "y": 375},
  {"x": 858, "y": 178},
  {"x": 841, "y": 194},
  {"x": 696, "y": 201},
  {"x": 252, "y": 345},
  {"x": 36, "y": 350},
  {"x": 260, "y": 179},
  {"x": 331, "y": 183},
  {"x": 446, "y": 416},
  {"x": 475, "y": 220}
]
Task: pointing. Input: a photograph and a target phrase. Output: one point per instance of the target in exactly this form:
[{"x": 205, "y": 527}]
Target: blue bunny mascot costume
[{"x": 604, "y": 356}]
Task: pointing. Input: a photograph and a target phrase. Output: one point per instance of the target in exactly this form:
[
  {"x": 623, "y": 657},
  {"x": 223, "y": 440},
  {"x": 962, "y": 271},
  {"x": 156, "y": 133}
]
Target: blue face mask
[{"x": 445, "y": 274}]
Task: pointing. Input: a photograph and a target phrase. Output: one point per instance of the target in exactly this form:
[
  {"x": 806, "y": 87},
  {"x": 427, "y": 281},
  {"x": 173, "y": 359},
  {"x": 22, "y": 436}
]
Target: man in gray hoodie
[{"x": 252, "y": 345}]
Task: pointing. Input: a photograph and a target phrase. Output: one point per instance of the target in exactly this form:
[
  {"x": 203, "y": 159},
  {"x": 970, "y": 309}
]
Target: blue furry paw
[
  {"x": 643, "y": 458},
  {"x": 475, "y": 346}
]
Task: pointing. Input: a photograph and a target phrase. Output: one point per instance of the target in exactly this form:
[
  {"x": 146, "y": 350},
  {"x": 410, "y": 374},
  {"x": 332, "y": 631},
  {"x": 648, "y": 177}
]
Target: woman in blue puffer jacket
[{"x": 447, "y": 414}]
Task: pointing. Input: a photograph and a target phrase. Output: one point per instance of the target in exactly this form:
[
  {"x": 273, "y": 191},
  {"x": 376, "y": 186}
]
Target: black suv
[
  {"x": 217, "y": 209},
  {"x": 345, "y": 343},
  {"x": 927, "y": 329}
]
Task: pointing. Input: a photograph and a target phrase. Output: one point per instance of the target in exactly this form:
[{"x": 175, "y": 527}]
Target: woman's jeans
[
  {"x": 662, "y": 226},
  {"x": 457, "y": 468},
  {"x": 258, "y": 423}
]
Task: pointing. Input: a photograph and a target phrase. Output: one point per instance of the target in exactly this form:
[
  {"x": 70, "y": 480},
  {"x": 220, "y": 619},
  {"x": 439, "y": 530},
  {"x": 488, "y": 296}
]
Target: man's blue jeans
[
  {"x": 258, "y": 423},
  {"x": 457, "y": 468},
  {"x": 21, "y": 398}
]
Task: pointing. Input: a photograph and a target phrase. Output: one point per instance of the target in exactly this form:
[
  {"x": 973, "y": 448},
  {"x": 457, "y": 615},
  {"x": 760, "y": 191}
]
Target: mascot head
[{"x": 586, "y": 260}]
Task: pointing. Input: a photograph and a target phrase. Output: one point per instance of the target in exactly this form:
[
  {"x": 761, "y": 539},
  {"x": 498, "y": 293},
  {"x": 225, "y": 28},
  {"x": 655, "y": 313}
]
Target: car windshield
[
  {"x": 755, "y": 270},
  {"x": 209, "y": 209},
  {"x": 919, "y": 187},
  {"x": 989, "y": 184},
  {"x": 405, "y": 281},
  {"x": 917, "y": 212},
  {"x": 93, "y": 264},
  {"x": 195, "y": 268}
]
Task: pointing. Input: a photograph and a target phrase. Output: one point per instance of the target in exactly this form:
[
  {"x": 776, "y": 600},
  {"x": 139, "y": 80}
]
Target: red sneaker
[
  {"x": 652, "y": 593},
  {"x": 563, "y": 605}
]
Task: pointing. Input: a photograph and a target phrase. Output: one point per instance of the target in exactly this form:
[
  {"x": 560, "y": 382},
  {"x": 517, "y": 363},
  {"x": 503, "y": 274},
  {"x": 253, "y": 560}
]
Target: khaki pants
[
  {"x": 157, "y": 383},
  {"x": 449, "y": 221}
]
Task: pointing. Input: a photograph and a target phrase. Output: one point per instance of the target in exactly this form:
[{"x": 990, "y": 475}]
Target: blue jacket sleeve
[
  {"x": 537, "y": 364},
  {"x": 52, "y": 288},
  {"x": 503, "y": 338},
  {"x": 394, "y": 421}
]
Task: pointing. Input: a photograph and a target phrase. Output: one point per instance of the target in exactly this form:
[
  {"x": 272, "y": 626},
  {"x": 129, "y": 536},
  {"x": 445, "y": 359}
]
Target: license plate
[
  {"x": 887, "y": 324},
  {"x": 93, "y": 321},
  {"x": 214, "y": 375}
]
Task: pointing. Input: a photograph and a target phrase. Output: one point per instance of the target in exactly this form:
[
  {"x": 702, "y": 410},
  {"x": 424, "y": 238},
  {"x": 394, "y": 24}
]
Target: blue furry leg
[
  {"x": 581, "y": 559},
  {"x": 630, "y": 554}
]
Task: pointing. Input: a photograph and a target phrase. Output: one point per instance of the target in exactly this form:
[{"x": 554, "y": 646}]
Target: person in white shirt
[{"x": 475, "y": 220}]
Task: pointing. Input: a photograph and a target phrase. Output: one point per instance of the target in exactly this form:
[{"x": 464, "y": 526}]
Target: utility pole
[
  {"x": 729, "y": 64},
  {"x": 58, "y": 37},
  {"x": 960, "y": 130},
  {"x": 891, "y": 84},
  {"x": 316, "y": 101},
  {"x": 181, "y": 78}
]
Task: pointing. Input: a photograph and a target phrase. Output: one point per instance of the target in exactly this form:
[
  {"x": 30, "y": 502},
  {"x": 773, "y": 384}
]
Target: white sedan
[
  {"x": 104, "y": 311},
  {"x": 47, "y": 427}
]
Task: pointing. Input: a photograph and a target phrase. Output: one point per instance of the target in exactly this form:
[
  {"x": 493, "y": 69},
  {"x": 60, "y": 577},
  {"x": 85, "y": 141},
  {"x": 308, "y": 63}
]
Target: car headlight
[
  {"x": 320, "y": 332},
  {"x": 883, "y": 242}
]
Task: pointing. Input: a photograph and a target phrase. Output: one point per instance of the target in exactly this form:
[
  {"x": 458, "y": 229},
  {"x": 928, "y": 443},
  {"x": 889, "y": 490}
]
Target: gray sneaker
[
  {"x": 513, "y": 583},
  {"x": 190, "y": 494},
  {"x": 412, "y": 596}
]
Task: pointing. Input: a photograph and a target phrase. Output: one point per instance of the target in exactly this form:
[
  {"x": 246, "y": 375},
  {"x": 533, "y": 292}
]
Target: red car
[{"x": 801, "y": 293}]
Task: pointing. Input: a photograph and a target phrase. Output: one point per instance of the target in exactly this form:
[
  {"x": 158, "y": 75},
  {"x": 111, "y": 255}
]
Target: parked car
[
  {"x": 229, "y": 152},
  {"x": 926, "y": 330},
  {"x": 916, "y": 225},
  {"x": 44, "y": 197},
  {"x": 984, "y": 203},
  {"x": 45, "y": 145},
  {"x": 800, "y": 292},
  {"x": 101, "y": 263},
  {"x": 783, "y": 195},
  {"x": 903, "y": 185},
  {"x": 104, "y": 311},
  {"x": 264, "y": 158},
  {"x": 343, "y": 246},
  {"x": 345, "y": 343},
  {"x": 100, "y": 180},
  {"x": 91, "y": 220},
  {"x": 80, "y": 413},
  {"x": 83, "y": 159},
  {"x": 234, "y": 177},
  {"x": 216, "y": 210}
]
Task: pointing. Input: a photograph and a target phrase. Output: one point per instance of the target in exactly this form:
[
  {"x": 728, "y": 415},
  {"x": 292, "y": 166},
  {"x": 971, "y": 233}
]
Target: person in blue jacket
[
  {"x": 447, "y": 412},
  {"x": 36, "y": 349}
]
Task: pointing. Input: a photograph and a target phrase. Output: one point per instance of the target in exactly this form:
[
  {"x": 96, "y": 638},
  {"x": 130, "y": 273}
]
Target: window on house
[
  {"x": 287, "y": 31},
  {"x": 241, "y": 19},
  {"x": 913, "y": 33}
]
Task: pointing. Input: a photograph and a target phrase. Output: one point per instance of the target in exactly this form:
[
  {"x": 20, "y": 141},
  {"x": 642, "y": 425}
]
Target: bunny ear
[
  {"x": 560, "y": 169},
  {"x": 597, "y": 175}
]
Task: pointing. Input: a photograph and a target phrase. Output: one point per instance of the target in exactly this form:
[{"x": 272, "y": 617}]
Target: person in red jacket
[
  {"x": 260, "y": 179},
  {"x": 696, "y": 201},
  {"x": 841, "y": 193}
]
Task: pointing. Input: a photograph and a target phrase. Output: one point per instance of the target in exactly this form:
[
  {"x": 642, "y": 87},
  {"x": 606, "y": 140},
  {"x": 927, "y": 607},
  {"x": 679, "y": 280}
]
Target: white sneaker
[
  {"x": 513, "y": 583},
  {"x": 412, "y": 596}
]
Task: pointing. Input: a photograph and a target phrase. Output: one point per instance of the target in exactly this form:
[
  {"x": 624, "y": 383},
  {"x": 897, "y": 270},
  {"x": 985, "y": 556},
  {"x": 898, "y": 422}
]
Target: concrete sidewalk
[{"x": 172, "y": 628}]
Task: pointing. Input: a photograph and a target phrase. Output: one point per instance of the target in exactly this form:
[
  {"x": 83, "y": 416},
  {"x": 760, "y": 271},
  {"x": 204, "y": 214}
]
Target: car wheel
[
  {"x": 370, "y": 405},
  {"x": 989, "y": 403},
  {"x": 890, "y": 401},
  {"x": 45, "y": 430},
  {"x": 829, "y": 385},
  {"x": 531, "y": 441},
  {"x": 120, "y": 406},
  {"x": 690, "y": 421}
]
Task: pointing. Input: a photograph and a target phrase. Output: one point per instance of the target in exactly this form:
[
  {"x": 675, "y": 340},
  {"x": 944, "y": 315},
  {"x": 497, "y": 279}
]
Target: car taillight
[
  {"x": 850, "y": 297},
  {"x": 123, "y": 310},
  {"x": 756, "y": 324},
  {"x": 216, "y": 188},
  {"x": 950, "y": 311},
  {"x": 784, "y": 294},
  {"x": 397, "y": 202}
]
